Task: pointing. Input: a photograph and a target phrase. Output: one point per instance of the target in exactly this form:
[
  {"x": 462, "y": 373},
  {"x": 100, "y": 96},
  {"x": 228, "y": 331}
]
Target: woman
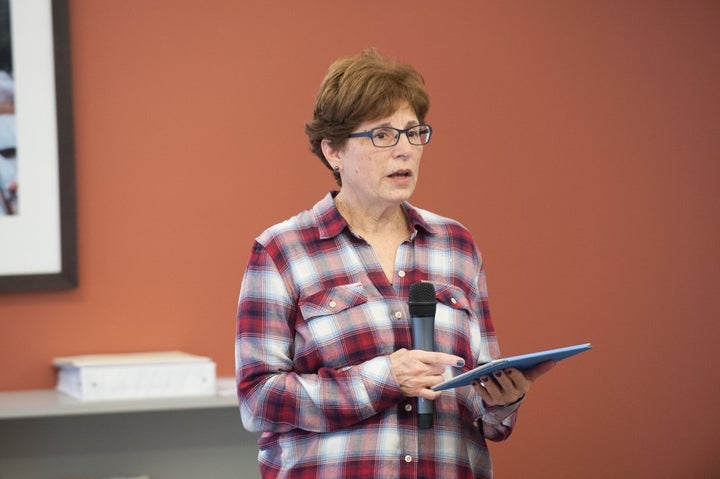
[{"x": 325, "y": 365}]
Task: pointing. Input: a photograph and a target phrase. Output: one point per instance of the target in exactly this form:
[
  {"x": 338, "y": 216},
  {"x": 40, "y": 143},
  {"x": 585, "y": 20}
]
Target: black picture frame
[{"x": 67, "y": 277}]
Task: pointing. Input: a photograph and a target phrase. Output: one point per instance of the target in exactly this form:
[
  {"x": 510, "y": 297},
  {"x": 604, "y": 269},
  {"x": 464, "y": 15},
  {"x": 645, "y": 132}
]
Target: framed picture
[{"x": 38, "y": 234}]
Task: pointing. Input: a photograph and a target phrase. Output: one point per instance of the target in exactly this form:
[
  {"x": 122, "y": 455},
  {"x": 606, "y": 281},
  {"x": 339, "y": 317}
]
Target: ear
[{"x": 332, "y": 154}]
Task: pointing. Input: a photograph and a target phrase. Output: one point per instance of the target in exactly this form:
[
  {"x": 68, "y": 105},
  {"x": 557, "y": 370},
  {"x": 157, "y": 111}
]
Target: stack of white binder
[{"x": 135, "y": 375}]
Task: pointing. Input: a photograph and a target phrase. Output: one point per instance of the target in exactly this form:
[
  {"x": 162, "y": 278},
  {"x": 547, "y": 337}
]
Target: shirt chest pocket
[
  {"x": 336, "y": 328},
  {"x": 456, "y": 325}
]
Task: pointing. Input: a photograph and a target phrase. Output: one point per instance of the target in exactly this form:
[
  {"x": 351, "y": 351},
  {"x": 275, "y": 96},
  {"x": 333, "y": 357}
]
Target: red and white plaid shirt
[{"x": 317, "y": 319}]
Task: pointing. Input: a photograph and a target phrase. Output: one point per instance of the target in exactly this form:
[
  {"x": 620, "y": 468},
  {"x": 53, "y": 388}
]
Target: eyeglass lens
[{"x": 416, "y": 135}]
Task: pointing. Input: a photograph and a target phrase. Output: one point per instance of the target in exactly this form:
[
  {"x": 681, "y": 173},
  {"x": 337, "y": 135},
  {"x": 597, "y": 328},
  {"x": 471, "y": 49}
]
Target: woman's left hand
[{"x": 509, "y": 385}]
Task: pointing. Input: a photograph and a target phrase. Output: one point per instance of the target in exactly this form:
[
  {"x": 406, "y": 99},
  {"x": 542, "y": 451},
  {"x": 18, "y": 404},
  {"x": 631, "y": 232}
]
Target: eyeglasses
[{"x": 386, "y": 136}]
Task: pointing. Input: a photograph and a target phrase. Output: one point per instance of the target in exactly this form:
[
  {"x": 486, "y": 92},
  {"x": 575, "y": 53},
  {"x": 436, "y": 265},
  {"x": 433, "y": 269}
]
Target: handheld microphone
[{"x": 422, "y": 304}]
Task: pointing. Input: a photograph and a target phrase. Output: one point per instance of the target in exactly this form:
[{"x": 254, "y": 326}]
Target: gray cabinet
[{"x": 47, "y": 435}]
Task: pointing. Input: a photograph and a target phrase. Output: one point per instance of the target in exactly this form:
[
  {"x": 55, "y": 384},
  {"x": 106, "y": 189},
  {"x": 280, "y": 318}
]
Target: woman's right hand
[{"x": 417, "y": 371}]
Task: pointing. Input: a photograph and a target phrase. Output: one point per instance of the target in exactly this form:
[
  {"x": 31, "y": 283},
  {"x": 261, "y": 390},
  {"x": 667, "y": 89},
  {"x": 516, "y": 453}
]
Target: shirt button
[
  {"x": 333, "y": 304},
  {"x": 398, "y": 314},
  {"x": 453, "y": 300},
  {"x": 408, "y": 407},
  {"x": 401, "y": 274},
  {"x": 408, "y": 458}
]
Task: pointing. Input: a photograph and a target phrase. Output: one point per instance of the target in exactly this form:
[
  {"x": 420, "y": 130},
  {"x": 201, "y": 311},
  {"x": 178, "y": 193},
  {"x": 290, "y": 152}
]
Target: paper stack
[{"x": 135, "y": 375}]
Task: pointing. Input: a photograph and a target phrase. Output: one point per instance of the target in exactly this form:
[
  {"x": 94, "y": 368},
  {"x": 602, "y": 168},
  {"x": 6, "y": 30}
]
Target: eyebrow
[{"x": 409, "y": 124}]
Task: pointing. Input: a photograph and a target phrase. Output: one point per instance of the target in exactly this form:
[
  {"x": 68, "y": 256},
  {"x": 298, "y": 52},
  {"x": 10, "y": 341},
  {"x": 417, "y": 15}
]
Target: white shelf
[{"x": 49, "y": 402}]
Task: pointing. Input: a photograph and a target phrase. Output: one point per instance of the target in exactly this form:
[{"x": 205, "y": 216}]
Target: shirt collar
[{"x": 331, "y": 223}]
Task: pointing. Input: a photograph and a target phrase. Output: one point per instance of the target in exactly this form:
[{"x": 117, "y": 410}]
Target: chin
[{"x": 400, "y": 196}]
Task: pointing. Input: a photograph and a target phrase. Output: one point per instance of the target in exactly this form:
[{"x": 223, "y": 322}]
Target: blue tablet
[{"x": 522, "y": 362}]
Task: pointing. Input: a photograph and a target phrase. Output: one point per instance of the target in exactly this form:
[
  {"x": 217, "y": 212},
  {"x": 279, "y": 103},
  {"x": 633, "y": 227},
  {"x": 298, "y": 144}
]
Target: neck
[{"x": 366, "y": 220}]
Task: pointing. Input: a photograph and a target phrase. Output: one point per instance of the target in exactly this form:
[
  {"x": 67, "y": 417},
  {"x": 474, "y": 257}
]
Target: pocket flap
[
  {"x": 452, "y": 296},
  {"x": 333, "y": 300}
]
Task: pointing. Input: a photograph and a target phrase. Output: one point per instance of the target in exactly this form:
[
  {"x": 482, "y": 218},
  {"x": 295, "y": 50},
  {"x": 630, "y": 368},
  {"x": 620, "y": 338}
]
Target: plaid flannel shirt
[{"x": 317, "y": 319}]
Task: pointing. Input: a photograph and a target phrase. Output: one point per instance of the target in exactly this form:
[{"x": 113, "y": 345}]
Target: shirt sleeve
[
  {"x": 496, "y": 423},
  {"x": 273, "y": 397}
]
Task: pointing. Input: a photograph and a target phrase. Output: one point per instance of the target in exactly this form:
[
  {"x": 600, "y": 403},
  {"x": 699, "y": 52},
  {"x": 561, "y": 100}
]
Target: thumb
[{"x": 535, "y": 373}]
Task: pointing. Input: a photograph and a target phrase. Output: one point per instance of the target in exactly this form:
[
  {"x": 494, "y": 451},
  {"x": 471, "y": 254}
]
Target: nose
[{"x": 403, "y": 145}]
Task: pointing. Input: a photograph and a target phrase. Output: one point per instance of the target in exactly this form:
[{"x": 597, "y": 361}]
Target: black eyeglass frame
[{"x": 370, "y": 134}]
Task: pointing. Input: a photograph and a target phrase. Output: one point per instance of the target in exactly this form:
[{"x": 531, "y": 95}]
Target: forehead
[{"x": 403, "y": 116}]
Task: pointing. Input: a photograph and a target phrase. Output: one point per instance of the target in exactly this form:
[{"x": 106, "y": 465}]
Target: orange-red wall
[{"x": 578, "y": 140}]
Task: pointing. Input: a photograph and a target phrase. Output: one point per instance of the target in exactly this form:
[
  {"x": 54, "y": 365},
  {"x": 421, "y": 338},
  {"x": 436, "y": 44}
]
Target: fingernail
[
  {"x": 461, "y": 363},
  {"x": 484, "y": 380},
  {"x": 498, "y": 374}
]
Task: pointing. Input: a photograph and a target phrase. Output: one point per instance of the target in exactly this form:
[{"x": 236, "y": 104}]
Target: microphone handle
[{"x": 423, "y": 329}]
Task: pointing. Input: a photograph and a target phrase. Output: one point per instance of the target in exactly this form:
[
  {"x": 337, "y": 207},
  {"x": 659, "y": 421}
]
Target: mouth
[{"x": 400, "y": 174}]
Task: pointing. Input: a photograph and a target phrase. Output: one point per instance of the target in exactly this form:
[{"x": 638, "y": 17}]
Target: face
[{"x": 378, "y": 177}]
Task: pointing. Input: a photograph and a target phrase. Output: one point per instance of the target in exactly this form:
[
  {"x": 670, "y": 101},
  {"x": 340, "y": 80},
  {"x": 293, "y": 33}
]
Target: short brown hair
[{"x": 356, "y": 89}]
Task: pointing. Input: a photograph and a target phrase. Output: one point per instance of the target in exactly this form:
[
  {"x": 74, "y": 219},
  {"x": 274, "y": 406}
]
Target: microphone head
[{"x": 422, "y": 301}]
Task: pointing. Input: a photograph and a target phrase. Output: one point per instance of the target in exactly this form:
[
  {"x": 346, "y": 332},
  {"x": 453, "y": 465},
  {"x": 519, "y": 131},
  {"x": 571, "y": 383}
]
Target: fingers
[
  {"x": 441, "y": 359},
  {"x": 509, "y": 385},
  {"x": 504, "y": 387},
  {"x": 428, "y": 393}
]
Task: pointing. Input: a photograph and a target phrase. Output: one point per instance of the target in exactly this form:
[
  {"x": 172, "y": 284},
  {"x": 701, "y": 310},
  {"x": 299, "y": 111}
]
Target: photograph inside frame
[{"x": 8, "y": 136}]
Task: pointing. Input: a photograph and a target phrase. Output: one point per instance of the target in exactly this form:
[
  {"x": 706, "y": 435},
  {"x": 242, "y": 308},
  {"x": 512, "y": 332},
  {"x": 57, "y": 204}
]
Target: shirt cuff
[{"x": 498, "y": 414}]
